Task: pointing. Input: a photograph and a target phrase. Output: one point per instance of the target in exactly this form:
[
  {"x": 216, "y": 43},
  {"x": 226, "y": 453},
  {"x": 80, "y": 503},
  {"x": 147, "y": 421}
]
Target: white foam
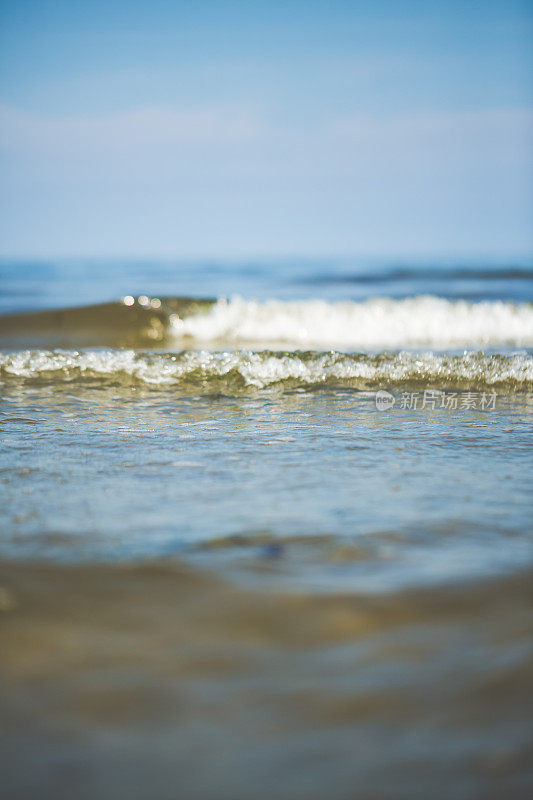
[
  {"x": 201, "y": 371},
  {"x": 374, "y": 324}
]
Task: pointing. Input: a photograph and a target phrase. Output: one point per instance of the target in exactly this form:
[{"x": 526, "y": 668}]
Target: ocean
[{"x": 266, "y": 529}]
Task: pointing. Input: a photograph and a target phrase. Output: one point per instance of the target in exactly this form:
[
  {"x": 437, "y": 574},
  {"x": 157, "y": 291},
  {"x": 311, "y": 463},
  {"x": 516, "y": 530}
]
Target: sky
[{"x": 237, "y": 129}]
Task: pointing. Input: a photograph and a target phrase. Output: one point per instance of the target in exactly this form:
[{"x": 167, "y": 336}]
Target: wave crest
[
  {"x": 370, "y": 325},
  {"x": 234, "y": 372}
]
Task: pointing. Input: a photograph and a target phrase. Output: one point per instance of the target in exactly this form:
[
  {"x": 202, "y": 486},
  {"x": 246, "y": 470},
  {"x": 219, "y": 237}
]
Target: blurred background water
[{"x": 38, "y": 284}]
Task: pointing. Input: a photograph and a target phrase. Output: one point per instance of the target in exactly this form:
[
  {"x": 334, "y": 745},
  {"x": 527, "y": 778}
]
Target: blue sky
[{"x": 239, "y": 128}]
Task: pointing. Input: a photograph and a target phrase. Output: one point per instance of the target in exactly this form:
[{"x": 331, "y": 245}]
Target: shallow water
[
  {"x": 228, "y": 563},
  {"x": 90, "y": 471},
  {"x": 155, "y": 681}
]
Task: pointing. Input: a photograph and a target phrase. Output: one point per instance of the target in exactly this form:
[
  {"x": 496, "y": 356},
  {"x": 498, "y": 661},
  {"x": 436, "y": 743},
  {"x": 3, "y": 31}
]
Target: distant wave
[
  {"x": 375, "y": 324},
  {"x": 234, "y": 372},
  {"x": 370, "y": 325},
  {"x": 423, "y": 274}
]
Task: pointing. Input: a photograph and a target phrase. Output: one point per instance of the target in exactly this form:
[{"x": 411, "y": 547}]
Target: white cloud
[
  {"x": 271, "y": 146},
  {"x": 227, "y": 179},
  {"x": 133, "y": 129}
]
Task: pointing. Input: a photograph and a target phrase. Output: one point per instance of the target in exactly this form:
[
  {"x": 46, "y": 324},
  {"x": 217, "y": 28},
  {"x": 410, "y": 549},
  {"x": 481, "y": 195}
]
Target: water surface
[{"x": 229, "y": 566}]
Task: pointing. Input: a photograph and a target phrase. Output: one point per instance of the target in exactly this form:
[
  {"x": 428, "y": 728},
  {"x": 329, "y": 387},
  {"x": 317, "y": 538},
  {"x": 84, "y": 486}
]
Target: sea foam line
[
  {"x": 374, "y": 324},
  {"x": 205, "y": 371}
]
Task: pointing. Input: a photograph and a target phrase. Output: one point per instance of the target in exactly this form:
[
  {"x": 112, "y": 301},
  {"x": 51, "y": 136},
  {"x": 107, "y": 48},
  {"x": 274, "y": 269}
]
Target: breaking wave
[
  {"x": 237, "y": 371},
  {"x": 375, "y": 324},
  {"x": 370, "y": 325}
]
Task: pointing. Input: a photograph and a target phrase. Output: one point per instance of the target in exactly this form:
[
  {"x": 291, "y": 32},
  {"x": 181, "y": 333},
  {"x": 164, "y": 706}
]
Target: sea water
[{"x": 275, "y": 544}]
